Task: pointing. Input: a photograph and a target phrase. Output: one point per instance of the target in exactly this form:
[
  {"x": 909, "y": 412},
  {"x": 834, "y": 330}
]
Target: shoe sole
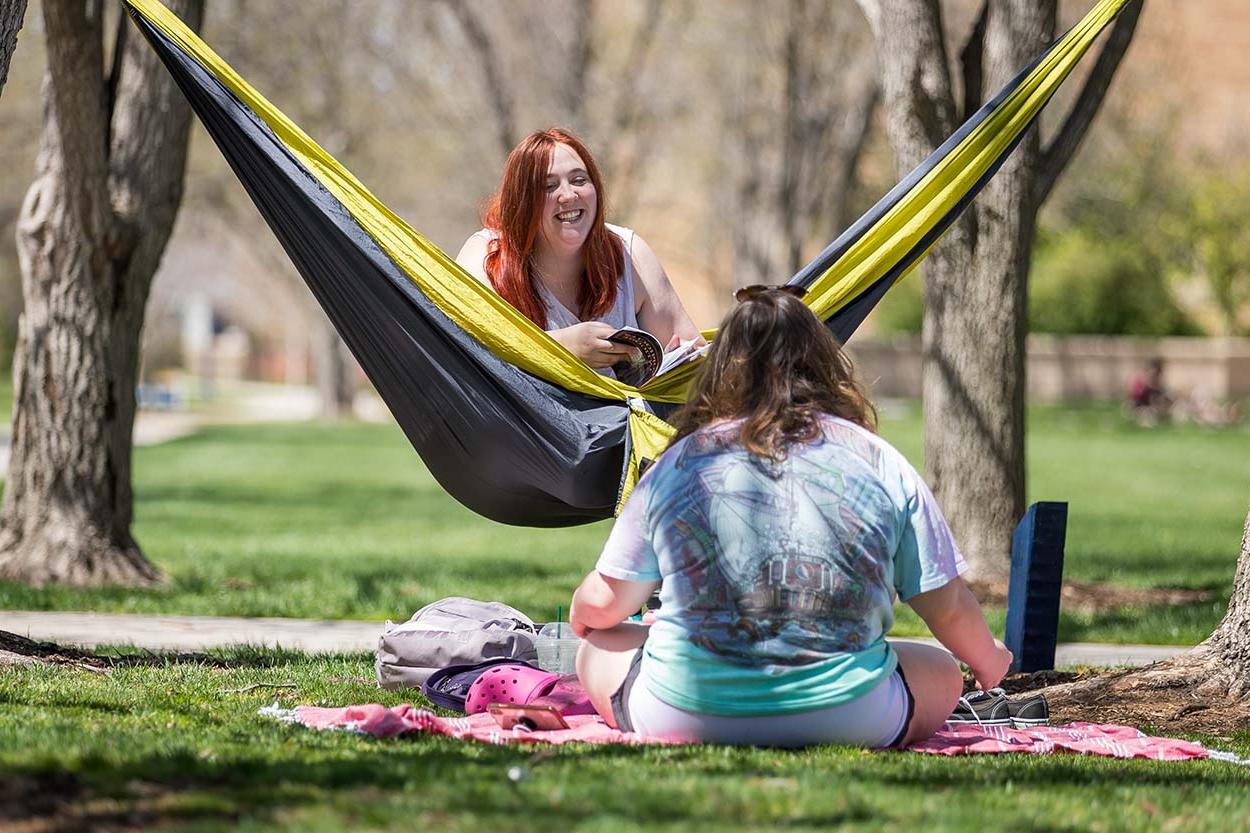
[
  {"x": 1007, "y": 723},
  {"x": 1004, "y": 723}
]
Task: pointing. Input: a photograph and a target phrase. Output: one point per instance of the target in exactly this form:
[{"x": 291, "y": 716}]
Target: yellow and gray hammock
[{"x": 510, "y": 423}]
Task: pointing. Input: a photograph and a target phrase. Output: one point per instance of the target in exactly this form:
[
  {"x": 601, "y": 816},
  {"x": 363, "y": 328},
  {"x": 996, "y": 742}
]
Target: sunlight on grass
[
  {"x": 343, "y": 521},
  {"x": 182, "y": 751},
  {"x": 6, "y": 405}
]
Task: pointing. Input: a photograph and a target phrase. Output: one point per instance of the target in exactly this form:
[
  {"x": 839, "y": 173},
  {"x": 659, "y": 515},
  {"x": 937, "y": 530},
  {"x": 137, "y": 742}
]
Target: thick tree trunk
[
  {"x": 11, "y": 13},
  {"x": 1230, "y": 643},
  {"x": 91, "y": 234},
  {"x": 1203, "y": 690},
  {"x": 974, "y": 398},
  {"x": 976, "y": 278}
]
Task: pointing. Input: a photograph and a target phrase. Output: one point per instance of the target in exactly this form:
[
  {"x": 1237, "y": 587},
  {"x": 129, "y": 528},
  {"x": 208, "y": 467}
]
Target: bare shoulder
[
  {"x": 473, "y": 256},
  {"x": 644, "y": 256},
  {"x": 474, "y": 247},
  {"x": 649, "y": 275}
]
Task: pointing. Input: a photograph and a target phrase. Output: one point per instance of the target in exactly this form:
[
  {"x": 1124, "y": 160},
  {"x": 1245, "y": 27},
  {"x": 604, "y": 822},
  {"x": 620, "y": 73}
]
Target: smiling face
[{"x": 571, "y": 202}]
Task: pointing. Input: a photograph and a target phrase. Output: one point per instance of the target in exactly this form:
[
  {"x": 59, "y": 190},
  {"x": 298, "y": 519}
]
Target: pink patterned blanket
[
  {"x": 382, "y": 722},
  {"x": 1085, "y": 738}
]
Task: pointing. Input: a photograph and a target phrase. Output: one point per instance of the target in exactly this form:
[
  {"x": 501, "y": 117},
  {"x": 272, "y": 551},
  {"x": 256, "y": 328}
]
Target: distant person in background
[
  {"x": 547, "y": 250},
  {"x": 1148, "y": 400}
]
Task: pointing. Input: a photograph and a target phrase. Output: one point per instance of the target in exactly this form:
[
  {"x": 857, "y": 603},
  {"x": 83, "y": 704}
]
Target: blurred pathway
[
  {"x": 199, "y": 633},
  {"x": 241, "y": 402},
  {"x": 151, "y": 428}
]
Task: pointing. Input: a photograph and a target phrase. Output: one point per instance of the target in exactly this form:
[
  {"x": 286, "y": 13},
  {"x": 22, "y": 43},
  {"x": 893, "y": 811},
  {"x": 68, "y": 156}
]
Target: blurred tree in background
[{"x": 1214, "y": 222}]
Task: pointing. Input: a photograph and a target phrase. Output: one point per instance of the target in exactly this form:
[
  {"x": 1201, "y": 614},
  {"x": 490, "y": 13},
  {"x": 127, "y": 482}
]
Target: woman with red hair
[{"x": 547, "y": 250}]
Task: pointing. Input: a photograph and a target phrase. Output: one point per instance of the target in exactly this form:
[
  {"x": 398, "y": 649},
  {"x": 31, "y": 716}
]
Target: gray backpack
[{"x": 451, "y": 631}]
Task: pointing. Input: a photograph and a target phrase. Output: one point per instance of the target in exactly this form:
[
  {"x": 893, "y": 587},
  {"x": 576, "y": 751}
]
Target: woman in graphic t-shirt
[
  {"x": 779, "y": 528},
  {"x": 547, "y": 250}
]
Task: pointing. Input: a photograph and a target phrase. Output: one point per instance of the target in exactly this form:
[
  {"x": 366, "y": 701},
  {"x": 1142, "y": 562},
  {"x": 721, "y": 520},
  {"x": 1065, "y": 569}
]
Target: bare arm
[
  {"x": 601, "y": 602},
  {"x": 954, "y": 616},
  {"x": 660, "y": 311}
]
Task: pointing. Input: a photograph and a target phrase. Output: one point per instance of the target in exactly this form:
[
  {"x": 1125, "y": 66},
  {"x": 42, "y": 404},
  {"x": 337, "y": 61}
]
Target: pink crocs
[
  {"x": 524, "y": 685},
  {"x": 518, "y": 684}
]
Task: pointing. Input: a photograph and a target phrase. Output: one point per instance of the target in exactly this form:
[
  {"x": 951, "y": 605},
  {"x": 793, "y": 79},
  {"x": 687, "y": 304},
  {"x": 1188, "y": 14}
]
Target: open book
[{"x": 651, "y": 360}]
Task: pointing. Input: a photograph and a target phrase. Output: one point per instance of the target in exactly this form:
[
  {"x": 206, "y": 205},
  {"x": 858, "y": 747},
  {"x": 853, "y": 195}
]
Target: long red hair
[{"x": 515, "y": 213}]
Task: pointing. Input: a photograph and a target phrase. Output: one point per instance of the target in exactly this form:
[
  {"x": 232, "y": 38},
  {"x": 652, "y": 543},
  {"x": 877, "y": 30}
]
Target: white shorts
[{"x": 877, "y": 719}]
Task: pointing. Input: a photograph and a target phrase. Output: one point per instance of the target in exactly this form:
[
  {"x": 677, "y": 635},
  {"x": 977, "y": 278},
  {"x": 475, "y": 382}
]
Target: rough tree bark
[
  {"x": 976, "y": 278},
  {"x": 92, "y": 230},
  {"x": 11, "y": 14},
  {"x": 1205, "y": 689},
  {"x": 1228, "y": 647}
]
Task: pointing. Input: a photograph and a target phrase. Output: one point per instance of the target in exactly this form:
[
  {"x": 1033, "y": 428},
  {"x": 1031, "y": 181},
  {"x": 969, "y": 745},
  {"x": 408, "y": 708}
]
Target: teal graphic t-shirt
[{"x": 778, "y": 578}]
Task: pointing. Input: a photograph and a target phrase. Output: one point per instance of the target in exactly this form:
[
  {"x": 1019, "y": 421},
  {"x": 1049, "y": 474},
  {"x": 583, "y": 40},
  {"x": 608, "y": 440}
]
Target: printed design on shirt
[{"x": 781, "y": 562}]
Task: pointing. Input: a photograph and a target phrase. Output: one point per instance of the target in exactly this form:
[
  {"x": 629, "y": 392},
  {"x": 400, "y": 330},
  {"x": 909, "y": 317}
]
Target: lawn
[
  {"x": 6, "y": 403},
  {"x": 343, "y": 521},
  {"x": 170, "y": 747}
]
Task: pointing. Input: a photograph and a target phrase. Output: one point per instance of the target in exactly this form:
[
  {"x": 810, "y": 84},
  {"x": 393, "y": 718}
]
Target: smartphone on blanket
[{"x": 540, "y": 718}]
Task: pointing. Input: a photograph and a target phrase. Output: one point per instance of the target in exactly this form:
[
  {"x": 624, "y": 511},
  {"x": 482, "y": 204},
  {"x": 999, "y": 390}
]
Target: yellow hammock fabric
[{"x": 875, "y": 252}]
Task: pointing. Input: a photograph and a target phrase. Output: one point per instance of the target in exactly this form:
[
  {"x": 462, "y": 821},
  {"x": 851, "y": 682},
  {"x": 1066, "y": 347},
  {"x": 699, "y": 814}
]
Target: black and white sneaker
[
  {"x": 992, "y": 708},
  {"x": 982, "y": 708},
  {"x": 1029, "y": 712}
]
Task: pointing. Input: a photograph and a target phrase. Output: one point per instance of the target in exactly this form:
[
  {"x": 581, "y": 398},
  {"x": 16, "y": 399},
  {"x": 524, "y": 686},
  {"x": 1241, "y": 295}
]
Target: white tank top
[{"x": 624, "y": 310}]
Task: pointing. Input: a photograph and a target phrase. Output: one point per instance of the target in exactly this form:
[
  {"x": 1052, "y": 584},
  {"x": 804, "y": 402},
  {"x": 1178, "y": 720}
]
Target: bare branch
[
  {"x": 492, "y": 74},
  {"x": 792, "y": 138},
  {"x": 1059, "y": 152},
  {"x": 627, "y": 137},
  {"x": 852, "y": 141},
  {"x": 971, "y": 62},
  {"x": 581, "y": 55}
]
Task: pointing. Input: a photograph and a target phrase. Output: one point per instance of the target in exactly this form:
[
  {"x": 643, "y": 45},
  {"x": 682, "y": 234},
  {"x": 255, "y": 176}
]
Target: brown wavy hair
[
  {"x": 777, "y": 368},
  {"x": 515, "y": 213}
]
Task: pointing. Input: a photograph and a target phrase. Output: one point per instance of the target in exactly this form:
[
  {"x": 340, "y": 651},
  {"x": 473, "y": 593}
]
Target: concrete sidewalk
[{"x": 202, "y": 633}]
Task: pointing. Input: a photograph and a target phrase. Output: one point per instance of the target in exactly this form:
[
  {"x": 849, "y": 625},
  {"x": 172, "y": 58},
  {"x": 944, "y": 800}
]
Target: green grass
[
  {"x": 164, "y": 747},
  {"x": 1158, "y": 507},
  {"x": 6, "y": 403},
  {"x": 344, "y": 522}
]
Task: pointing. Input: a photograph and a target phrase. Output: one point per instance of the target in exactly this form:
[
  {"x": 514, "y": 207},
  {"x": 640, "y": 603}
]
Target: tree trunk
[
  {"x": 335, "y": 370},
  {"x": 974, "y": 398},
  {"x": 1203, "y": 690},
  {"x": 90, "y": 237},
  {"x": 976, "y": 278},
  {"x": 11, "y": 13},
  {"x": 1230, "y": 643}
]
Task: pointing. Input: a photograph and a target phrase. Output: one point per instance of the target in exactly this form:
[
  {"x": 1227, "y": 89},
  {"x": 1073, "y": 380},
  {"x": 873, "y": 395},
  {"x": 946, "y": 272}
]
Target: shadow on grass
[
  {"x": 299, "y": 496},
  {"x": 262, "y": 789},
  {"x": 1184, "y": 624},
  {"x": 471, "y": 781},
  {"x": 1054, "y": 770}
]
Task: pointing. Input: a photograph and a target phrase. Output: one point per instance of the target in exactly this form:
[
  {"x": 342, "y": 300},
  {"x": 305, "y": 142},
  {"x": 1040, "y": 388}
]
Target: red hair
[{"x": 515, "y": 214}]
